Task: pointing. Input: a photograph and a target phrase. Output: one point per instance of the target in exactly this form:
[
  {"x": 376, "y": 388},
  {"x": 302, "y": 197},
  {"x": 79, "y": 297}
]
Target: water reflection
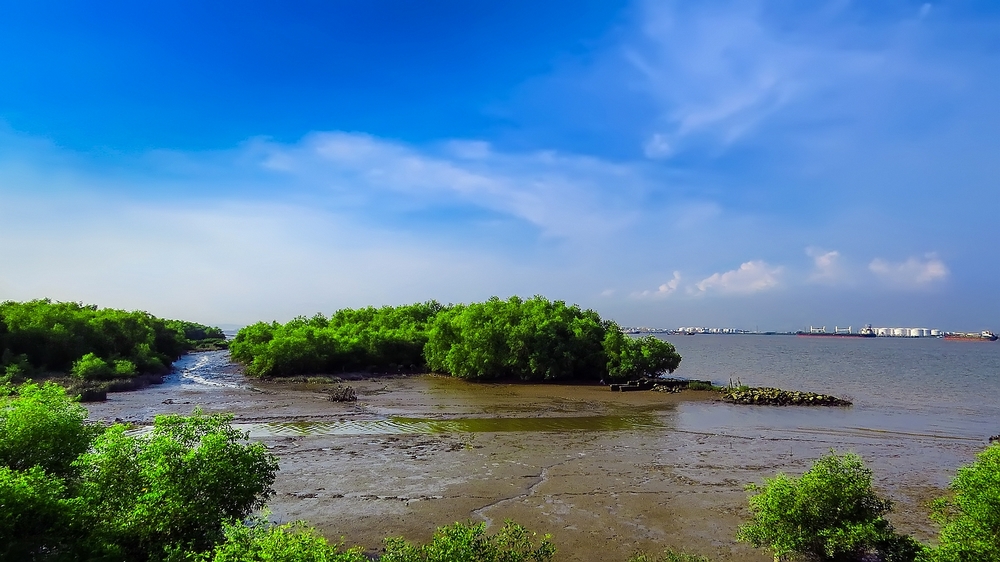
[{"x": 401, "y": 425}]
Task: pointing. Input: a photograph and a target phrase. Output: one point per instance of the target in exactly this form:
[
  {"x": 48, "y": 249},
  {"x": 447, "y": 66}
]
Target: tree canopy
[
  {"x": 530, "y": 339},
  {"x": 90, "y": 342}
]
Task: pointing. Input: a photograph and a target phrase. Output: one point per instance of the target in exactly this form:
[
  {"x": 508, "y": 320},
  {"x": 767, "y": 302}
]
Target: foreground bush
[
  {"x": 971, "y": 519},
  {"x": 41, "y": 427},
  {"x": 175, "y": 485},
  {"x": 72, "y": 491},
  {"x": 829, "y": 513},
  {"x": 470, "y": 543},
  {"x": 260, "y": 542}
]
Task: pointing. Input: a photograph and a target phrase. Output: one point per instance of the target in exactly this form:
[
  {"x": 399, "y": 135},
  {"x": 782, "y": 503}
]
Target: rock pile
[
  {"x": 660, "y": 385},
  {"x": 778, "y": 397},
  {"x": 342, "y": 394}
]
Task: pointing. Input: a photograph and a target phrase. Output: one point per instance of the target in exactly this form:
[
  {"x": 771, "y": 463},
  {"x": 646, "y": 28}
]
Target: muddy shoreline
[{"x": 614, "y": 490}]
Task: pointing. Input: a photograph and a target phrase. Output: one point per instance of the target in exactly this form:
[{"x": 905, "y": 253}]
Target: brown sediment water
[
  {"x": 401, "y": 425},
  {"x": 605, "y": 473}
]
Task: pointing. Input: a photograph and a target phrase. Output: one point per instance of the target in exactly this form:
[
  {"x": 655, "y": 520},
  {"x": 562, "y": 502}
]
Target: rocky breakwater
[{"x": 778, "y": 397}]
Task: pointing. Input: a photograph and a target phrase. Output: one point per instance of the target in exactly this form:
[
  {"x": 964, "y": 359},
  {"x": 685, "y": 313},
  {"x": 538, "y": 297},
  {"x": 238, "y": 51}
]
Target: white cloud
[
  {"x": 657, "y": 147},
  {"x": 828, "y": 268},
  {"x": 663, "y": 290},
  {"x": 722, "y": 70},
  {"x": 914, "y": 273},
  {"x": 562, "y": 195},
  {"x": 751, "y": 277}
]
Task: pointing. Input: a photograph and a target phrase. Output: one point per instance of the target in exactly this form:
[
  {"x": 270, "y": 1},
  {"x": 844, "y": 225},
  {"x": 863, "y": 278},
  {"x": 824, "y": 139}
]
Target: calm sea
[{"x": 941, "y": 397}]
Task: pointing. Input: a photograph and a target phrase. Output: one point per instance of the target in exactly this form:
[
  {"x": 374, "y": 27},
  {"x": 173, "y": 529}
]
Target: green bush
[
  {"x": 971, "y": 519},
  {"x": 92, "y": 368},
  {"x": 123, "y": 368},
  {"x": 40, "y": 426},
  {"x": 630, "y": 358},
  {"x": 829, "y": 513},
  {"x": 35, "y": 515},
  {"x": 470, "y": 543},
  {"x": 702, "y": 385},
  {"x": 175, "y": 485},
  {"x": 260, "y": 542}
]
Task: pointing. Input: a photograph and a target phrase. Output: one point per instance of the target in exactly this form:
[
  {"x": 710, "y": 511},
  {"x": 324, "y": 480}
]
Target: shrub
[
  {"x": 293, "y": 542},
  {"x": 124, "y": 368},
  {"x": 41, "y": 426},
  {"x": 830, "y": 513},
  {"x": 92, "y": 368},
  {"x": 34, "y": 515},
  {"x": 175, "y": 485},
  {"x": 971, "y": 519},
  {"x": 469, "y": 543},
  {"x": 702, "y": 385}
]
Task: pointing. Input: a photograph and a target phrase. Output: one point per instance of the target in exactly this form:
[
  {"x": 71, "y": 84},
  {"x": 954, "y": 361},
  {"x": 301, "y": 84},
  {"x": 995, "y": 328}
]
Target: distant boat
[
  {"x": 985, "y": 335},
  {"x": 866, "y": 332}
]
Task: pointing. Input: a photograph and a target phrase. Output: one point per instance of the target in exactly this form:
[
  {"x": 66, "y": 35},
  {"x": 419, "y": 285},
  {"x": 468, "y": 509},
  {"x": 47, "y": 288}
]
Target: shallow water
[
  {"x": 205, "y": 371},
  {"x": 918, "y": 387},
  {"x": 401, "y": 425}
]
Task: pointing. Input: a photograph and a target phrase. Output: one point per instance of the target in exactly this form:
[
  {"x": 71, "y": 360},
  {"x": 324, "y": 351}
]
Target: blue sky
[{"x": 772, "y": 164}]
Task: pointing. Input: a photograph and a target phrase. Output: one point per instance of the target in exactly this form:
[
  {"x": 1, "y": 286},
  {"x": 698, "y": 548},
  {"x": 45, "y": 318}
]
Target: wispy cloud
[
  {"x": 751, "y": 277},
  {"x": 722, "y": 71},
  {"x": 666, "y": 289},
  {"x": 560, "y": 194},
  {"x": 828, "y": 267},
  {"x": 914, "y": 273}
]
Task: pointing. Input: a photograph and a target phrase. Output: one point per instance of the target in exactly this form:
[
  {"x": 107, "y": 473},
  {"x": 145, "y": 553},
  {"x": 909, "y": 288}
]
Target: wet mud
[{"x": 606, "y": 474}]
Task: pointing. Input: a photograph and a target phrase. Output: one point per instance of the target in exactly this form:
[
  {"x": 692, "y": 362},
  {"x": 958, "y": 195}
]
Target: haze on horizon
[{"x": 748, "y": 164}]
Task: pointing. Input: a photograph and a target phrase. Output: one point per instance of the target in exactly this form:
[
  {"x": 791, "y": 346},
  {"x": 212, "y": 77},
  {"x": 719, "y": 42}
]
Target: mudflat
[{"x": 605, "y": 473}]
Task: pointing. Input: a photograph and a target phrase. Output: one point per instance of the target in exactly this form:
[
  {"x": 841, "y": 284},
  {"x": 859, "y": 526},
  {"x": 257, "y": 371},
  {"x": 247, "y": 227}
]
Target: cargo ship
[
  {"x": 866, "y": 332},
  {"x": 985, "y": 335}
]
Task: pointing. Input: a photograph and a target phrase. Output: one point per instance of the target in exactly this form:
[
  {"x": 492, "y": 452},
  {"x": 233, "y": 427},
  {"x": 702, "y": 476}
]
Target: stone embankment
[{"x": 778, "y": 397}]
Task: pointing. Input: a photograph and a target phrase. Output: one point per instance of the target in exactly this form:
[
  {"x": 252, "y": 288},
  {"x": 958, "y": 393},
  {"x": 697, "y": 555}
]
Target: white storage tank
[
  {"x": 882, "y": 332},
  {"x": 899, "y": 332},
  {"x": 935, "y": 333},
  {"x": 914, "y": 332}
]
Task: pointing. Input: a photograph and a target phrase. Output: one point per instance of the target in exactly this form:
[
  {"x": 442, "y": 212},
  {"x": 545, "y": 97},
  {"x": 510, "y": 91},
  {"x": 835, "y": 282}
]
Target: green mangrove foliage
[
  {"x": 971, "y": 518},
  {"x": 92, "y": 343},
  {"x": 366, "y": 338},
  {"x": 71, "y": 491},
  {"x": 257, "y": 541},
  {"x": 829, "y": 513},
  {"x": 470, "y": 543},
  {"x": 533, "y": 339}
]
